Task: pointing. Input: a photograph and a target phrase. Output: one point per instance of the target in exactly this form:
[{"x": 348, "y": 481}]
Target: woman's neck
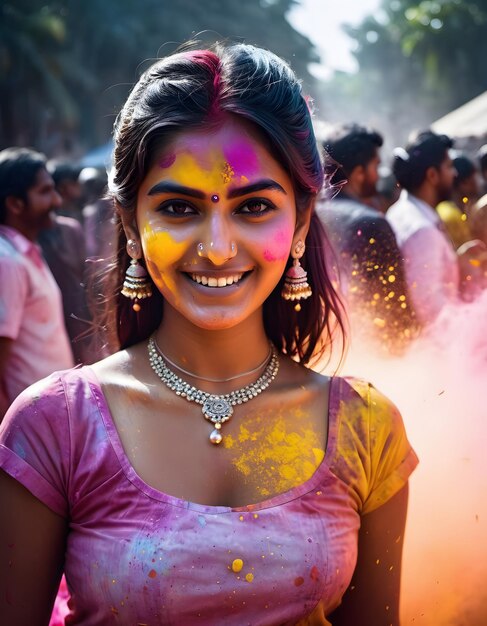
[{"x": 215, "y": 354}]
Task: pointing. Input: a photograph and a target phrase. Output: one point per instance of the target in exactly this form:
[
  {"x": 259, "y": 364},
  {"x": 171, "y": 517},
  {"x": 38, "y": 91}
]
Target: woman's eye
[
  {"x": 256, "y": 207},
  {"x": 177, "y": 208}
]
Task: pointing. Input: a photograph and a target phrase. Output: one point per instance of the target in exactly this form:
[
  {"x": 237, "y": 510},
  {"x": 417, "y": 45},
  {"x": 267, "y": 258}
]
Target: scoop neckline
[{"x": 294, "y": 493}]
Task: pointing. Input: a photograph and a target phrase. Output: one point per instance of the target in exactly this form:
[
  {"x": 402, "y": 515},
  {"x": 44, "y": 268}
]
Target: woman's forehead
[
  {"x": 232, "y": 152},
  {"x": 232, "y": 141}
]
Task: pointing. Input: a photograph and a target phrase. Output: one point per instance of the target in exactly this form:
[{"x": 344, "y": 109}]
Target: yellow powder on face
[
  {"x": 275, "y": 458},
  {"x": 161, "y": 251},
  {"x": 227, "y": 173},
  {"x": 208, "y": 176}
]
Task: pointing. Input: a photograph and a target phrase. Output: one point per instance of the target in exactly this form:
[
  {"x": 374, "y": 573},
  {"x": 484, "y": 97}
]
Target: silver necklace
[
  {"x": 213, "y": 380},
  {"x": 216, "y": 408}
]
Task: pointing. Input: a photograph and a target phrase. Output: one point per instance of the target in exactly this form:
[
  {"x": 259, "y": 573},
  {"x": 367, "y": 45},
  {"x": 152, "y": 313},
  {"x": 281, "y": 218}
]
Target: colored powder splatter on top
[
  {"x": 273, "y": 456},
  {"x": 315, "y": 573},
  {"x": 237, "y": 565}
]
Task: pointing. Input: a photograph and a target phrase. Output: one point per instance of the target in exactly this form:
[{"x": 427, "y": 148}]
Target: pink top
[
  {"x": 136, "y": 555},
  {"x": 31, "y": 314}
]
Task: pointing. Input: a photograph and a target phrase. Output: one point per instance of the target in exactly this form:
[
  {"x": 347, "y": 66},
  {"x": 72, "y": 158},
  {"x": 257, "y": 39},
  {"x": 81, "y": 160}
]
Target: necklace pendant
[
  {"x": 216, "y": 437},
  {"x": 217, "y": 410}
]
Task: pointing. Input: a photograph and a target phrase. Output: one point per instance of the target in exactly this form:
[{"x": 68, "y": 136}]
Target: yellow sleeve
[
  {"x": 392, "y": 458},
  {"x": 373, "y": 456}
]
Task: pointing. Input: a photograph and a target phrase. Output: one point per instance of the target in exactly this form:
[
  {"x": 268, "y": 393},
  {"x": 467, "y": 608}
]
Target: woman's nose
[{"x": 217, "y": 244}]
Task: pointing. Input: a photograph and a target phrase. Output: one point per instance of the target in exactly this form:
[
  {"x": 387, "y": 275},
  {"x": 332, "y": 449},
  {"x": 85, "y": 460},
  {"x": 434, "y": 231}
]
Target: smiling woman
[{"x": 204, "y": 474}]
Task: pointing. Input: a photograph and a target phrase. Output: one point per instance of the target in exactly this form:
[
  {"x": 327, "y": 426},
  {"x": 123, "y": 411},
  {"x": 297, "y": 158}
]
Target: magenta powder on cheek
[
  {"x": 242, "y": 158},
  {"x": 167, "y": 161},
  {"x": 279, "y": 247}
]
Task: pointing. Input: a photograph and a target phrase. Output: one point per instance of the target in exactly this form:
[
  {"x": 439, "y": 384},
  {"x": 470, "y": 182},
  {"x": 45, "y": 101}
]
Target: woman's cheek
[
  {"x": 161, "y": 252},
  {"x": 278, "y": 246}
]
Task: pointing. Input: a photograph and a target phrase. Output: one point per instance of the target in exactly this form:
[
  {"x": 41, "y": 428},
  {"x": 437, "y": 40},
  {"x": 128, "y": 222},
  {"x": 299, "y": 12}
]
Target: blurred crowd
[
  {"x": 56, "y": 236},
  {"x": 407, "y": 234},
  {"x": 408, "y": 231}
]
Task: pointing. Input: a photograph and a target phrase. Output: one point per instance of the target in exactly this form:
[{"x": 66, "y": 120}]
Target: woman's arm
[
  {"x": 373, "y": 594},
  {"x": 32, "y": 544}
]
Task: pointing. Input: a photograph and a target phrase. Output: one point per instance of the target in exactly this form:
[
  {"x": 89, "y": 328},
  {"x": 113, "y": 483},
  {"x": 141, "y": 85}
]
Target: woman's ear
[{"x": 129, "y": 224}]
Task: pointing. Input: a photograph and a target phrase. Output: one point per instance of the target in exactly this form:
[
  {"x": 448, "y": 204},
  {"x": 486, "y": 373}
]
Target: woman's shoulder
[
  {"x": 52, "y": 406},
  {"x": 123, "y": 368},
  {"x": 371, "y": 452},
  {"x": 363, "y": 413},
  {"x": 356, "y": 389}
]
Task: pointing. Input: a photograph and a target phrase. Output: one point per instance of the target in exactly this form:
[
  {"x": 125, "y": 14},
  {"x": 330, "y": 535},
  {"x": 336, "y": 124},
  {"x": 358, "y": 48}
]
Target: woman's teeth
[{"x": 212, "y": 281}]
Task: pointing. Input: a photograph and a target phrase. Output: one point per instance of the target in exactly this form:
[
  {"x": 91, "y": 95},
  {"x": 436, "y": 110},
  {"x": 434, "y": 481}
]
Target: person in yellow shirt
[{"x": 454, "y": 213}]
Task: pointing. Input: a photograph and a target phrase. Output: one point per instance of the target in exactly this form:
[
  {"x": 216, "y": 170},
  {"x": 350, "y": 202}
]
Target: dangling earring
[
  {"x": 296, "y": 286},
  {"x": 137, "y": 284}
]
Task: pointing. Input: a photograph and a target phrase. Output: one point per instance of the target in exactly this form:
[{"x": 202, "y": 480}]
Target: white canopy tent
[{"x": 470, "y": 120}]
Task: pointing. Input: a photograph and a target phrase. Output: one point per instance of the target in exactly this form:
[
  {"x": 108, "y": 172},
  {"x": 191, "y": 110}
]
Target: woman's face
[{"x": 216, "y": 216}]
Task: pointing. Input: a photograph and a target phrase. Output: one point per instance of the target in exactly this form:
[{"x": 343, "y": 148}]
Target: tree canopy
[
  {"x": 417, "y": 61},
  {"x": 67, "y": 65}
]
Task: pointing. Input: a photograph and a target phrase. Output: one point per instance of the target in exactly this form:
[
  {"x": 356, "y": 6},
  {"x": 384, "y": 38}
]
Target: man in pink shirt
[
  {"x": 425, "y": 172},
  {"x": 33, "y": 338}
]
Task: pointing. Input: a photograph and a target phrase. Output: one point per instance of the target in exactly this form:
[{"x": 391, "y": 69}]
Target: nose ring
[{"x": 200, "y": 248}]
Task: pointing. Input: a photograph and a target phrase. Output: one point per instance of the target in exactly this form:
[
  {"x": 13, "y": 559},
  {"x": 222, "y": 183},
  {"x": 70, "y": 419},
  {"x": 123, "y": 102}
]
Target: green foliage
[
  {"x": 67, "y": 65},
  {"x": 418, "y": 60}
]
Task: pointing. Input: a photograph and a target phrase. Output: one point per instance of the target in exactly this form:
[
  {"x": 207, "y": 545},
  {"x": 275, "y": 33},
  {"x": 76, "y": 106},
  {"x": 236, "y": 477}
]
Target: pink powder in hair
[{"x": 211, "y": 62}]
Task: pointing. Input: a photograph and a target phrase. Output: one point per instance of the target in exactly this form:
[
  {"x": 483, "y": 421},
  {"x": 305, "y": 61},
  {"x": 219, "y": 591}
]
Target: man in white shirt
[{"x": 425, "y": 172}]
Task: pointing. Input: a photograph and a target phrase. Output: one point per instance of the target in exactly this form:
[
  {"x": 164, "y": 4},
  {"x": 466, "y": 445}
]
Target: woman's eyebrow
[
  {"x": 168, "y": 187},
  {"x": 266, "y": 184}
]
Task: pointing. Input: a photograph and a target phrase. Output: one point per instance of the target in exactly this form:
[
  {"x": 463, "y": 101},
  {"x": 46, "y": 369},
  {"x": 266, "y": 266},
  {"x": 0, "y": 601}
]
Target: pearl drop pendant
[{"x": 216, "y": 436}]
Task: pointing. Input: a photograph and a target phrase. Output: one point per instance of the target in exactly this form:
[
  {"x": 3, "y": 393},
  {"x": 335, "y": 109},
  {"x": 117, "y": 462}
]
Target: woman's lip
[
  {"x": 217, "y": 273},
  {"x": 213, "y": 287}
]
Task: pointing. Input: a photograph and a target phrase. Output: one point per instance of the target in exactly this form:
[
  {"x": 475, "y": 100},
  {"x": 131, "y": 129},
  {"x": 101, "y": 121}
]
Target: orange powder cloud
[{"x": 439, "y": 387}]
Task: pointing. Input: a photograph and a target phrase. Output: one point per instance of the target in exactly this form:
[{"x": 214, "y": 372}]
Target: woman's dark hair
[
  {"x": 411, "y": 164},
  {"x": 195, "y": 88},
  {"x": 18, "y": 173}
]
